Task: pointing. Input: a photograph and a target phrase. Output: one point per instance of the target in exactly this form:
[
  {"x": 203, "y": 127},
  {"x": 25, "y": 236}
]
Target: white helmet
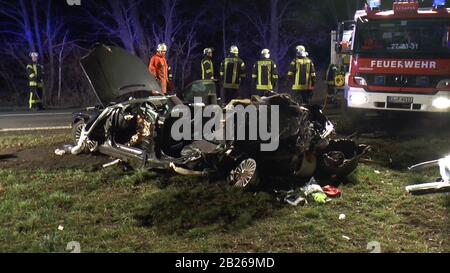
[
  {"x": 207, "y": 50},
  {"x": 234, "y": 49},
  {"x": 265, "y": 53},
  {"x": 301, "y": 51},
  {"x": 34, "y": 54},
  {"x": 161, "y": 47}
]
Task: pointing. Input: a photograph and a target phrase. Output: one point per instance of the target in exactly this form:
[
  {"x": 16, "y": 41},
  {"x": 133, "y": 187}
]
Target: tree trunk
[
  {"x": 224, "y": 38},
  {"x": 51, "y": 57},
  {"x": 37, "y": 31},
  {"x": 27, "y": 26},
  {"x": 274, "y": 29}
]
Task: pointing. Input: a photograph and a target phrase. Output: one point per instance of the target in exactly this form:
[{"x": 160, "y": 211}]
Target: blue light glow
[
  {"x": 438, "y": 3},
  {"x": 374, "y": 4}
]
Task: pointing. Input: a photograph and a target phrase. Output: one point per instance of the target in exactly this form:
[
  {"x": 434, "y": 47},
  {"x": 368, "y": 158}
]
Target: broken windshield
[{"x": 403, "y": 36}]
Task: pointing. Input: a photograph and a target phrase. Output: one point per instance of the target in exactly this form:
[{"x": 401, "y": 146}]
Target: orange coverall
[{"x": 158, "y": 67}]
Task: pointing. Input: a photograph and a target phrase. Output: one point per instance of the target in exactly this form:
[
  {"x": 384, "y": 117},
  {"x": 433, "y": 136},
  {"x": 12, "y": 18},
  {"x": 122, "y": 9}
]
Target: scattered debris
[
  {"x": 342, "y": 216},
  {"x": 331, "y": 191},
  {"x": 61, "y": 227},
  {"x": 320, "y": 197},
  {"x": 442, "y": 186},
  {"x": 117, "y": 161},
  {"x": 377, "y": 171},
  {"x": 295, "y": 200},
  {"x": 66, "y": 149},
  {"x": 346, "y": 237}
]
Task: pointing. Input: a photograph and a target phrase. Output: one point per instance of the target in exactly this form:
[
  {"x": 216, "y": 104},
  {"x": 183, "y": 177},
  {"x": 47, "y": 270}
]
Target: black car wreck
[{"x": 134, "y": 123}]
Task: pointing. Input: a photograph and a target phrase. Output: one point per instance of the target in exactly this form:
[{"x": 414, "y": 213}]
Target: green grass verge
[{"x": 115, "y": 211}]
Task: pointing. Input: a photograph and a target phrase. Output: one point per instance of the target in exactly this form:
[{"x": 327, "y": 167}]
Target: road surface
[{"x": 38, "y": 120}]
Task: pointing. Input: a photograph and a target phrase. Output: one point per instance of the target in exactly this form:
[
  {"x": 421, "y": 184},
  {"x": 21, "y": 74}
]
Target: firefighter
[
  {"x": 207, "y": 64},
  {"x": 265, "y": 74},
  {"x": 304, "y": 76},
  {"x": 36, "y": 82},
  {"x": 158, "y": 67},
  {"x": 232, "y": 73}
]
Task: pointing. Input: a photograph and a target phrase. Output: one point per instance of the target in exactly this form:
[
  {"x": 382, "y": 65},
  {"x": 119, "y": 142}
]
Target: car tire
[
  {"x": 244, "y": 175},
  {"x": 77, "y": 128},
  {"x": 76, "y": 131}
]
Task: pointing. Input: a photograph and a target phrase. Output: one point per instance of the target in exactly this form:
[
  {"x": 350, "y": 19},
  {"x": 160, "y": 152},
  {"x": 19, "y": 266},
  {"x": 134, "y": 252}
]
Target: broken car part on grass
[
  {"x": 441, "y": 186},
  {"x": 134, "y": 123}
]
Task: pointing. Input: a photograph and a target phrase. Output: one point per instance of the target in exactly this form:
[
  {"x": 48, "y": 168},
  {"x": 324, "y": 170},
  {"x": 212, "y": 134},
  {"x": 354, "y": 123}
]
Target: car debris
[
  {"x": 66, "y": 149},
  {"x": 441, "y": 186},
  {"x": 331, "y": 191},
  {"x": 134, "y": 121}
]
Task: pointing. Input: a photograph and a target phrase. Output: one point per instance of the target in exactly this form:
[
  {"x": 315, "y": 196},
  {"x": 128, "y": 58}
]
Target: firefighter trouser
[
  {"x": 35, "y": 99},
  {"x": 163, "y": 84},
  {"x": 302, "y": 96},
  {"x": 229, "y": 94}
]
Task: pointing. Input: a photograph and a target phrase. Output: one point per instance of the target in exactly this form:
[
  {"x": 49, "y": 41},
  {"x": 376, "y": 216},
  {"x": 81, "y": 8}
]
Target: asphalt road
[{"x": 38, "y": 120}]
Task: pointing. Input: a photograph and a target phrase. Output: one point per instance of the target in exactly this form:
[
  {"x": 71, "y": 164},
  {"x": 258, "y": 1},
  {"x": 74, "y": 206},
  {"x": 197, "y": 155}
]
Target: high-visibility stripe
[
  {"x": 30, "y": 101},
  {"x": 303, "y": 74}
]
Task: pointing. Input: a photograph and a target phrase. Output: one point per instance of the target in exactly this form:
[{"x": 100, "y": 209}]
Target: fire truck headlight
[
  {"x": 360, "y": 81},
  {"x": 441, "y": 103},
  {"x": 358, "y": 98},
  {"x": 443, "y": 84}
]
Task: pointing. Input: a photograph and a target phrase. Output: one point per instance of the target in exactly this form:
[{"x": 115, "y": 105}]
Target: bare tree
[{"x": 269, "y": 28}]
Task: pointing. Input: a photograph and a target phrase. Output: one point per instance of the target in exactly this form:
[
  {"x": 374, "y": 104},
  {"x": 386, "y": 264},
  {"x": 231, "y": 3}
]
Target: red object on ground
[{"x": 331, "y": 191}]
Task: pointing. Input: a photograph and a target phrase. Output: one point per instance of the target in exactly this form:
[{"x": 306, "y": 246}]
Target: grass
[
  {"x": 30, "y": 140},
  {"x": 111, "y": 210}
]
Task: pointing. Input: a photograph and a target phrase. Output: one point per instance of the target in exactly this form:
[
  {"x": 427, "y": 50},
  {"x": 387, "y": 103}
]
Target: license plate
[{"x": 400, "y": 99}]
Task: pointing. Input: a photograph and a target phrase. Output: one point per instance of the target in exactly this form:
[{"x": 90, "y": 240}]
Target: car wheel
[
  {"x": 244, "y": 175},
  {"x": 76, "y": 131}
]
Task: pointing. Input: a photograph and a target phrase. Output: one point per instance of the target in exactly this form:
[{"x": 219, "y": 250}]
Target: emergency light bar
[
  {"x": 406, "y": 6},
  {"x": 374, "y": 4},
  {"x": 438, "y": 4}
]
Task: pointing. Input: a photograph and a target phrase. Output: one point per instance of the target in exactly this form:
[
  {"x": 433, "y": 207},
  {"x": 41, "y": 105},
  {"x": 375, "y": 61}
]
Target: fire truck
[{"x": 400, "y": 58}]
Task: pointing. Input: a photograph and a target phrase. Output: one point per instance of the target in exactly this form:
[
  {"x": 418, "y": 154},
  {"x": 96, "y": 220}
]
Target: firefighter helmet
[
  {"x": 161, "y": 47},
  {"x": 34, "y": 54},
  {"x": 301, "y": 51},
  {"x": 265, "y": 53},
  {"x": 234, "y": 49},
  {"x": 207, "y": 50}
]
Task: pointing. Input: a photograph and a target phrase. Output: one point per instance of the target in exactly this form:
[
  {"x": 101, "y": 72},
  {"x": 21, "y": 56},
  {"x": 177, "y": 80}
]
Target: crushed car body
[{"x": 134, "y": 122}]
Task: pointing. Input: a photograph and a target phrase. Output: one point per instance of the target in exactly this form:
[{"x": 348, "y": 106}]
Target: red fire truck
[{"x": 400, "y": 58}]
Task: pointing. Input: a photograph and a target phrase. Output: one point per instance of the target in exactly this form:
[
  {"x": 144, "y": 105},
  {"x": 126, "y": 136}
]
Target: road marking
[
  {"x": 34, "y": 114},
  {"x": 35, "y": 128}
]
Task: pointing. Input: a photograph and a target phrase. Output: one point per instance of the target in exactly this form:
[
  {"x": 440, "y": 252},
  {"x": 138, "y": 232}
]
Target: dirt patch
[{"x": 43, "y": 157}]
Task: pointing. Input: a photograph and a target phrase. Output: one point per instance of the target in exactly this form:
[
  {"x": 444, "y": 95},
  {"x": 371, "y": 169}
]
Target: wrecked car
[{"x": 134, "y": 123}]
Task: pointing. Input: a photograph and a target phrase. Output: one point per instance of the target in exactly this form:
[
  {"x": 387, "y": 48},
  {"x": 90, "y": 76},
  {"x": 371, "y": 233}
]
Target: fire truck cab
[{"x": 400, "y": 58}]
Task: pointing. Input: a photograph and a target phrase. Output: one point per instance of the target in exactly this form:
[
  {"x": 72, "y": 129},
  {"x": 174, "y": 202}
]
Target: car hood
[{"x": 114, "y": 73}]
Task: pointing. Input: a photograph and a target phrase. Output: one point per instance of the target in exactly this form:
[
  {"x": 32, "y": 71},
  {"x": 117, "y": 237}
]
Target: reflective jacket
[
  {"x": 302, "y": 68},
  {"x": 159, "y": 68},
  {"x": 232, "y": 71},
  {"x": 265, "y": 73},
  {"x": 207, "y": 68},
  {"x": 35, "y": 75}
]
